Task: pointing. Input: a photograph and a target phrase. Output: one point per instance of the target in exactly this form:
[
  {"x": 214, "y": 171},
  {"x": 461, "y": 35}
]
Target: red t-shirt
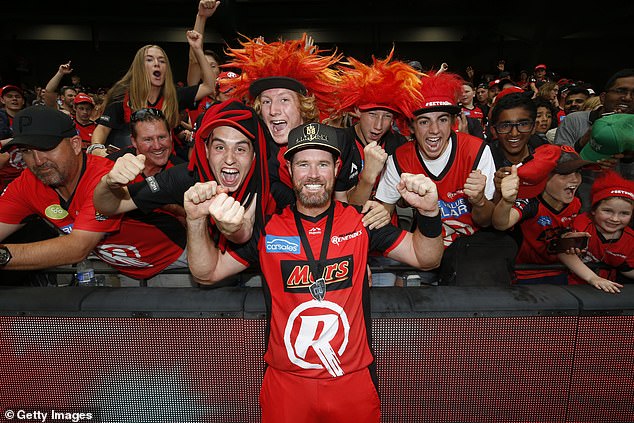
[{"x": 136, "y": 248}]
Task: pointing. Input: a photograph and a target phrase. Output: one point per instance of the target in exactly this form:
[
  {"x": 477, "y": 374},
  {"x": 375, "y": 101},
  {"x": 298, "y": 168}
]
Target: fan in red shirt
[
  {"x": 84, "y": 106},
  {"x": 58, "y": 186}
]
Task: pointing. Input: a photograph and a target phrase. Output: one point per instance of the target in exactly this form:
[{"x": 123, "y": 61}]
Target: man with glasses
[
  {"x": 513, "y": 129},
  {"x": 460, "y": 164},
  {"x": 58, "y": 186}
]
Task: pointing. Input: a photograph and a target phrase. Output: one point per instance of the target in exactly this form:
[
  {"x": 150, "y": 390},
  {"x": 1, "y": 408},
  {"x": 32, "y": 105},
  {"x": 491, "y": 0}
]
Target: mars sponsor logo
[{"x": 298, "y": 277}]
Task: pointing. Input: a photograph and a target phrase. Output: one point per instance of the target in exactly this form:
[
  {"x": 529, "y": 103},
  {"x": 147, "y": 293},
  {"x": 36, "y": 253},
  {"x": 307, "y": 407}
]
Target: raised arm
[
  {"x": 424, "y": 247},
  {"x": 374, "y": 161},
  {"x": 195, "y": 40},
  {"x": 50, "y": 96},
  {"x": 111, "y": 194},
  {"x": 206, "y": 8},
  {"x": 504, "y": 215}
]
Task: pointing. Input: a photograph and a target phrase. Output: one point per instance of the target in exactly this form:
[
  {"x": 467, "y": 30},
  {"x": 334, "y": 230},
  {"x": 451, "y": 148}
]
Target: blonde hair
[
  {"x": 136, "y": 83},
  {"x": 307, "y": 107},
  {"x": 592, "y": 103}
]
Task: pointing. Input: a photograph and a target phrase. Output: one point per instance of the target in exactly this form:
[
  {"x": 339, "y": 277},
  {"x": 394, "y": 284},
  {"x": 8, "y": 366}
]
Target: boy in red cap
[
  {"x": 84, "y": 106},
  {"x": 611, "y": 239},
  {"x": 11, "y": 163},
  {"x": 543, "y": 218}
]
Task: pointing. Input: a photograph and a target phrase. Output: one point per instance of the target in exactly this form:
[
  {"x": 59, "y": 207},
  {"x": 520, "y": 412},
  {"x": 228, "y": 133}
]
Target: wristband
[
  {"x": 93, "y": 147},
  {"x": 431, "y": 227}
]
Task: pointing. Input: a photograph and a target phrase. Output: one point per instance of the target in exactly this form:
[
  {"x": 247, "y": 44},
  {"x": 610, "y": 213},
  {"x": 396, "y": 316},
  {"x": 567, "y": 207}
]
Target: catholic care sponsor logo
[
  {"x": 298, "y": 277},
  {"x": 338, "y": 239},
  {"x": 283, "y": 244},
  {"x": 316, "y": 336},
  {"x": 55, "y": 212}
]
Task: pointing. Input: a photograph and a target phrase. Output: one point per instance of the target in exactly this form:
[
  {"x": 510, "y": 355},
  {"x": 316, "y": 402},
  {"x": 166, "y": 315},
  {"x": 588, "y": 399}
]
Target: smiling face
[
  {"x": 620, "y": 97},
  {"x": 432, "y": 132},
  {"x": 313, "y": 172},
  {"x": 612, "y": 215},
  {"x": 514, "y": 143},
  {"x": 155, "y": 66},
  {"x": 13, "y": 102},
  {"x": 230, "y": 155},
  {"x": 153, "y": 140},
  {"x": 280, "y": 111}
]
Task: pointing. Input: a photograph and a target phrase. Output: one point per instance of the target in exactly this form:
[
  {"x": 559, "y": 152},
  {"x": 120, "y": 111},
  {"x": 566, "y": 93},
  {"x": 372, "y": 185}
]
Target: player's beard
[{"x": 312, "y": 200}]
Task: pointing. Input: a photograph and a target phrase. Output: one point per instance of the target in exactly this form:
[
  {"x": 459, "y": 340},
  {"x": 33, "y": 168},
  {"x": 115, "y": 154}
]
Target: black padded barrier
[{"x": 444, "y": 354}]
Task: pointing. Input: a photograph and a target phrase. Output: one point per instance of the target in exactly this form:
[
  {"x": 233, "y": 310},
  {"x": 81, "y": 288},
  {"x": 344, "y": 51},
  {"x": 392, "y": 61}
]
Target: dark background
[{"x": 101, "y": 37}]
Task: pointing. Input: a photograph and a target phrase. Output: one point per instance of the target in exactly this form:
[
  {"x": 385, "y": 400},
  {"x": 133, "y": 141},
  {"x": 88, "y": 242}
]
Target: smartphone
[{"x": 561, "y": 245}]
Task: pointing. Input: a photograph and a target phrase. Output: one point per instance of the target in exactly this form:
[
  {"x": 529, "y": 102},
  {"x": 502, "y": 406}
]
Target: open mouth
[
  {"x": 278, "y": 126},
  {"x": 622, "y": 108},
  {"x": 230, "y": 176},
  {"x": 571, "y": 189}
]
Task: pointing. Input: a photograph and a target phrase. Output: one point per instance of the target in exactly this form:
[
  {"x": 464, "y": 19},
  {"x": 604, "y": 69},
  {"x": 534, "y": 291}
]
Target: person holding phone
[{"x": 542, "y": 220}]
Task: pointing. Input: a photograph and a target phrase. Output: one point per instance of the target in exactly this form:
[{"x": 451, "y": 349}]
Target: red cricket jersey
[
  {"x": 308, "y": 337},
  {"x": 616, "y": 253},
  {"x": 540, "y": 224},
  {"x": 455, "y": 209}
]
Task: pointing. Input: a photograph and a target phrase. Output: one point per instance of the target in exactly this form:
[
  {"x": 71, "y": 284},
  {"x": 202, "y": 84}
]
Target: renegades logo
[{"x": 298, "y": 277}]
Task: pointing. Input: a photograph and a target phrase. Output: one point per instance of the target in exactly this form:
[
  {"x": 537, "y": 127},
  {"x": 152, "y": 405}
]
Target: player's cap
[
  {"x": 262, "y": 84},
  {"x": 8, "y": 88},
  {"x": 611, "y": 134},
  {"x": 611, "y": 184},
  {"x": 540, "y": 66},
  {"x": 83, "y": 98},
  {"x": 40, "y": 128},
  {"x": 313, "y": 135}
]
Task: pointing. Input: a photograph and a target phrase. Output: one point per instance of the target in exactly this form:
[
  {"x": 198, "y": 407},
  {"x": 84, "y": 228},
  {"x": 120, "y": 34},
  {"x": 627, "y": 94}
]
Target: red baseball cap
[
  {"x": 534, "y": 171},
  {"x": 540, "y": 66},
  {"x": 83, "y": 98},
  {"x": 507, "y": 91},
  {"x": 9, "y": 88}
]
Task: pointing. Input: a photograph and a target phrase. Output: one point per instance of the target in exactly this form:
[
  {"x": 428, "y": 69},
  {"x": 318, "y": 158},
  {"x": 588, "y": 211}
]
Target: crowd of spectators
[{"x": 492, "y": 134}]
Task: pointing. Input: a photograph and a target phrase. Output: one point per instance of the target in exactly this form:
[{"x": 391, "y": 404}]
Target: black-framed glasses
[
  {"x": 522, "y": 126},
  {"x": 143, "y": 114}
]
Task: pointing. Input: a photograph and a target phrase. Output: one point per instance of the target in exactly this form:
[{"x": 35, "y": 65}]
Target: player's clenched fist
[
  {"x": 374, "y": 160},
  {"x": 420, "y": 192},
  {"x": 510, "y": 186},
  {"x": 125, "y": 170}
]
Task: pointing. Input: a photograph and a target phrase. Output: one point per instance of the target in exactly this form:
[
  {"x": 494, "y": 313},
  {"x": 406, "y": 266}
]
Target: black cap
[
  {"x": 41, "y": 128},
  {"x": 263, "y": 84},
  {"x": 313, "y": 135}
]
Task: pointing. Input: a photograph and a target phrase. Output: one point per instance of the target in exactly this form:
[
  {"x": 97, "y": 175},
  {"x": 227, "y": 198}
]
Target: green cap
[{"x": 611, "y": 134}]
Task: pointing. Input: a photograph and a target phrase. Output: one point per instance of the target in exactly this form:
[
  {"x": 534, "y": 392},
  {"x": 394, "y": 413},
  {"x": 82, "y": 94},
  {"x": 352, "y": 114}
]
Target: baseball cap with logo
[
  {"x": 313, "y": 135},
  {"x": 611, "y": 184},
  {"x": 40, "y": 128},
  {"x": 83, "y": 98},
  {"x": 540, "y": 66},
  {"x": 570, "y": 161},
  {"x": 611, "y": 134}
]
